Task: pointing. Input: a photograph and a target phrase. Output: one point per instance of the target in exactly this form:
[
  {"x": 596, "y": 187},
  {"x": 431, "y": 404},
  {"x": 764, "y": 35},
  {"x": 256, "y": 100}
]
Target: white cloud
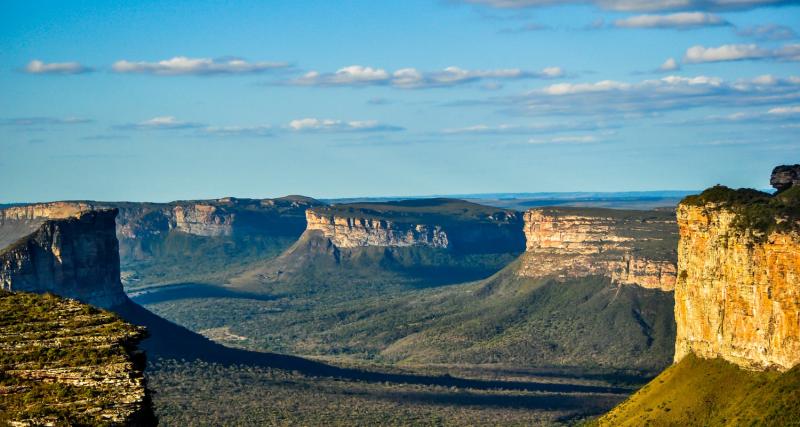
[
  {"x": 181, "y": 65},
  {"x": 739, "y": 52},
  {"x": 411, "y": 78},
  {"x": 38, "y": 67},
  {"x": 682, "y": 20},
  {"x": 793, "y": 110},
  {"x": 617, "y": 99},
  {"x": 669, "y": 65},
  {"x": 333, "y": 126},
  {"x": 728, "y": 52},
  {"x": 161, "y": 123},
  {"x": 638, "y": 5}
]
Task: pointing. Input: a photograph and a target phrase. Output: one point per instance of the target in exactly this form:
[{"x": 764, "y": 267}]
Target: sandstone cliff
[
  {"x": 358, "y": 232},
  {"x": 451, "y": 224},
  {"x": 630, "y": 247},
  {"x": 75, "y": 257},
  {"x": 738, "y": 292}
]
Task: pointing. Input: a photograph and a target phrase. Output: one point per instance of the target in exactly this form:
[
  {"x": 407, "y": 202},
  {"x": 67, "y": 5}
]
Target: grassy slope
[{"x": 712, "y": 392}]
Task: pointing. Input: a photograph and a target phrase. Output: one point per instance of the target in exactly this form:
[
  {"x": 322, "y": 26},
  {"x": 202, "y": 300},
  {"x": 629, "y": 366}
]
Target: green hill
[{"x": 714, "y": 392}]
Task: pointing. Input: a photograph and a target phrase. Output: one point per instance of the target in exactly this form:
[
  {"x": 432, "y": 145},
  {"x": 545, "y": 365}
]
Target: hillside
[
  {"x": 353, "y": 303},
  {"x": 67, "y": 363},
  {"x": 712, "y": 392}
]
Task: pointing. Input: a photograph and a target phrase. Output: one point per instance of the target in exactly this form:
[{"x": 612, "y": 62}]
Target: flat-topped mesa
[
  {"x": 456, "y": 225},
  {"x": 346, "y": 232},
  {"x": 738, "y": 292},
  {"x": 75, "y": 257},
  {"x": 51, "y": 210},
  {"x": 630, "y": 247}
]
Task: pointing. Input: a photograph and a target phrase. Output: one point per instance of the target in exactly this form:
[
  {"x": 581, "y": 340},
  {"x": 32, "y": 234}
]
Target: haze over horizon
[{"x": 162, "y": 101}]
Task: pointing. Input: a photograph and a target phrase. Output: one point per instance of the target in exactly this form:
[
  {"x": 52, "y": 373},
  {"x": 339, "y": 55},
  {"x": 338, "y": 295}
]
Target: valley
[{"x": 424, "y": 311}]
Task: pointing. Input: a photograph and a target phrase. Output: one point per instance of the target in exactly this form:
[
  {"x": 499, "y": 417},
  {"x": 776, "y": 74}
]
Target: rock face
[
  {"x": 630, "y": 248},
  {"x": 455, "y": 225},
  {"x": 738, "y": 293},
  {"x": 785, "y": 176},
  {"x": 66, "y": 363},
  {"x": 75, "y": 257},
  {"x": 359, "y": 232}
]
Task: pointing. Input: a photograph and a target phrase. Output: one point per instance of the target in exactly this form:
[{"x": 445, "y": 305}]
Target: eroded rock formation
[
  {"x": 629, "y": 248},
  {"x": 738, "y": 292},
  {"x": 784, "y": 177},
  {"x": 76, "y": 257},
  {"x": 351, "y": 232}
]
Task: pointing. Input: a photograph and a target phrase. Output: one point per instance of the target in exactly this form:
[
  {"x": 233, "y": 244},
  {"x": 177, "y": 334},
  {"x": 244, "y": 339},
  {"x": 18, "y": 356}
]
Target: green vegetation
[
  {"x": 506, "y": 320},
  {"x": 712, "y": 392},
  {"x": 424, "y": 211},
  {"x": 181, "y": 257},
  {"x": 755, "y": 210},
  {"x": 199, "y": 393},
  {"x": 46, "y": 343}
]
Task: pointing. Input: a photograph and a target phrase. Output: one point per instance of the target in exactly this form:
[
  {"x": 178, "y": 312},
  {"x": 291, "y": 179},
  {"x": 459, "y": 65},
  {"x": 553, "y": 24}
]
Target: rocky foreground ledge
[{"x": 66, "y": 363}]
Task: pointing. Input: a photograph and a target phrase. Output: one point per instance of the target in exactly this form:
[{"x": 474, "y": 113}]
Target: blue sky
[{"x": 195, "y": 99}]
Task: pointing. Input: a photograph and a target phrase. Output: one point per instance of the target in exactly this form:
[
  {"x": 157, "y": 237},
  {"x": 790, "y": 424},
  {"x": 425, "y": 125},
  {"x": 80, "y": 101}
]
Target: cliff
[
  {"x": 451, "y": 224},
  {"x": 75, "y": 257},
  {"x": 630, "y": 247},
  {"x": 359, "y": 232},
  {"x": 66, "y": 363},
  {"x": 738, "y": 292}
]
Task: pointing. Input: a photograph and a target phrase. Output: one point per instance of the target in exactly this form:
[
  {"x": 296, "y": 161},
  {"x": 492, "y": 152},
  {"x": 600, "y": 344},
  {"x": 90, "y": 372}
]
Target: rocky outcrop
[
  {"x": 629, "y": 247},
  {"x": 346, "y": 232},
  {"x": 76, "y": 257},
  {"x": 65, "y": 363},
  {"x": 738, "y": 292},
  {"x": 784, "y": 177}
]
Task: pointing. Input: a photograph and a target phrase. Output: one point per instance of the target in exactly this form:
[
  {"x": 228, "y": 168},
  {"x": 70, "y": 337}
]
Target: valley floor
[{"x": 199, "y": 393}]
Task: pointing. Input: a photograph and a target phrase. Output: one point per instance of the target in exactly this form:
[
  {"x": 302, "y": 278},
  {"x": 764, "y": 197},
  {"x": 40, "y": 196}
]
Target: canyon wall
[
  {"x": 75, "y": 257},
  {"x": 738, "y": 293},
  {"x": 631, "y": 249},
  {"x": 359, "y": 232}
]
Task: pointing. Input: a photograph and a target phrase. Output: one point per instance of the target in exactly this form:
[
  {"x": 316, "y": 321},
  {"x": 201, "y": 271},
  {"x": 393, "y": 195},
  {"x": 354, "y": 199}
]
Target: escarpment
[
  {"x": 630, "y": 247},
  {"x": 450, "y": 224},
  {"x": 75, "y": 257},
  {"x": 738, "y": 291},
  {"x": 347, "y": 232}
]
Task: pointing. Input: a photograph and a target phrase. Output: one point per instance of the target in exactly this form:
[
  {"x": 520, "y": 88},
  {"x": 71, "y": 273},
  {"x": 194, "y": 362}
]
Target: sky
[{"x": 168, "y": 100}]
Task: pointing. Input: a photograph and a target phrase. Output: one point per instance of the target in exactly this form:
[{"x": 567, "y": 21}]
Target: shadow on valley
[
  {"x": 191, "y": 290},
  {"x": 170, "y": 341}
]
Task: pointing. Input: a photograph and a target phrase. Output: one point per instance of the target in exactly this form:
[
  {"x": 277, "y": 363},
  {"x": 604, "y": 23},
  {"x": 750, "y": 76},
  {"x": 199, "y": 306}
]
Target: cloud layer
[
  {"x": 339, "y": 126},
  {"x": 623, "y": 99},
  {"x": 638, "y": 5},
  {"x": 682, "y": 20},
  {"x": 411, "y": 78},
  {"x": 181, "y": 65},
  {"x": 739, "y": 52}
]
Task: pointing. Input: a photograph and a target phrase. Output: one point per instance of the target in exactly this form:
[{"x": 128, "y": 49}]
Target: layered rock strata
[
  {"x": 65, "y": 363},
  {"x": 569, "y": 243},
  {"x": 359, "y": 232},
  {"x": 738, "y": 293}
]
